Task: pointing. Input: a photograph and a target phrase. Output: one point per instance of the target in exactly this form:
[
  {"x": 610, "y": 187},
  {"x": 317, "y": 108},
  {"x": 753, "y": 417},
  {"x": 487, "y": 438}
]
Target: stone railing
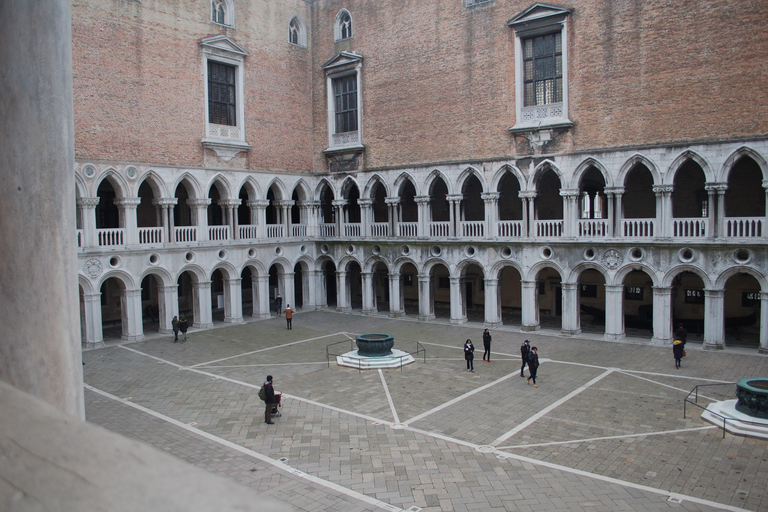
[
  {"x": 110, "y": 237},
  {"x": 510, "y": 228},
  {"x": 472, "y": 228},
  {"x": 185, "y": 234},
  {"x": 439, "y": 229},
  {"x": 216, "y": 233},
  {"x": 249, "y": 232},
  {"x": 593, "y": 228},
  {"x": 549, "y": 228},
  {"x": 352, "y": 230},
  {"x": 151, "y": 235},
  {"x": 274, "y": 231},
  {"x": 328, "y": 230},
  {"x": 380, "y": 229},
  {"x": 690, "y": 228},
  {"x": 299, "y": 230},
  {"x": 744, "y": 227},
  {"x": 638, "y": 228},
  {"x": 408, "y": 229}
]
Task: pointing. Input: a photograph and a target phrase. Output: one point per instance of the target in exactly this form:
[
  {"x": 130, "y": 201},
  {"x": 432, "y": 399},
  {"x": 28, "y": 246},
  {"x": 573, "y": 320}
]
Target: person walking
[
  {"x": 288, "y": 316},
  {"x": 469, "y": 355},
  {"x": 486, "y": 346},
  {"x": 269, "y": 399},
  {"x": 681, "y": 334},
  {"x": 183, "y": 325},
  {"x": 175, "y": 325},
  {"x": 279, "y": 304},
  {"x": 525, "y": 349},
  {"x": 677, "y": 351},
  {"x": 533, "y": 366}
]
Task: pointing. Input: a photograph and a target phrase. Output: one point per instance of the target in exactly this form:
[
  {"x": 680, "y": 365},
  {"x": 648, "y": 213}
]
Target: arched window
[
  {"x": 218, "y": 12},
  {"x": 343, "y": 27},
  {"x": 297, "y": 34}
]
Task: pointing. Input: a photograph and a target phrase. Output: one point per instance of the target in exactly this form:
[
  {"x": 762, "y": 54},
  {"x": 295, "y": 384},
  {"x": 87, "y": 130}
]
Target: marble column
[
  {"x": 322, "y": 289},
  {"x": 289, "y": 291},
  {"x": 200, "y": 218},
  {"x": 395, "y": 294},
  {"x": 422, "y": 203},
  {"x": 342, "y": 292},
  {"x": 310, "y": 290},
  {"x": 260, "y": 291},
  {"x": 338, "y": 207},
  {"x": 87, "y": 207},
  {"x": 393, "y": 215},
  {"x": 492, "y": 303},
  {"x": 458, "y": 311},
  {"x": 662, "y": 315},
  {"x": 454, "y": 228},
  {"x": 663, "y": 210},
  {"x": 128, "y": 221},
  {"x": 614, "y": 311},
  {"x": 426, "y": 306},
  {"x": 366, "y": 218},
  {"x": 570, "y": 212},
  {"x": 168, "y": 306},
  {"x": 491, "y": 205},
  {"x": 571, "y": 320},
  {"x": 369, "y": 307},
  {"x": 201, "y": 305},
  {"x": 529, "y": 213},
  {"x": 529, "y": 291},
  {"x": 714, "y": 319},
  {"x": 131, "y": 315},
  {"x": 94, "y": 336},
  {"x": 233, "y": 301},
  {"x": 763, "y": 323}
]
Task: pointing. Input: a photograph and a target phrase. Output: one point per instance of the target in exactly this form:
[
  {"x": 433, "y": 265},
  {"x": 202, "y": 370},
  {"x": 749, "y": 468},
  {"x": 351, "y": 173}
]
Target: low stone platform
[
  {"x": 735, "y": 422},
  {"x": 397, "y": 359}
]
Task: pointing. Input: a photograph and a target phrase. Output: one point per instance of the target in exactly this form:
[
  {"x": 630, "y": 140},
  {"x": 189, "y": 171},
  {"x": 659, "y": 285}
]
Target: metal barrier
[
  {"x": 727, "y": 387},
  {"x": 419, "y": 350}
]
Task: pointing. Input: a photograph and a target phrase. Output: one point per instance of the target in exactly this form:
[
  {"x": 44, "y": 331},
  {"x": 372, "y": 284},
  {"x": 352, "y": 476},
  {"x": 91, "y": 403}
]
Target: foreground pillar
[{"x": 40, "y": 346}]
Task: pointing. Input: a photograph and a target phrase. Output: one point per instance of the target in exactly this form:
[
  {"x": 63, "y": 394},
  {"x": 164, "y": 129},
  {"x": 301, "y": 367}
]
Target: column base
[
  {"x": 493, "y": 324},
  {"x": 426, "y": 318},
  {"x": 262, "y": 316},
  {"x": 458, "y": 321},
  {"x": 234, "y": 320},
  {"x": 569, "y": 332},
  {"x": 712, "y": 346},
  {"x": 132, "y": 337},
  {"x": 660, "y": 341},
  {"x": 202, "y": 326},
  {"x": 370, "y": 311},
  {"x": 614, "y": 336},
  {"x": 345, "y": 309},
  {"x": 165, "y": 331},
  {"x": 762, "y": 350},
  {"x": 530, "y": 328},
  {"x": 396, "y": 314},
  {"x": 87, "y": 345}
]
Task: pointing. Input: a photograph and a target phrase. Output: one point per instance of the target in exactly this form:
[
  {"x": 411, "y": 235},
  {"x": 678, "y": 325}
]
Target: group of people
[
  {"x": 179, "y": 326},
  {"x": 529, "y": 356}
]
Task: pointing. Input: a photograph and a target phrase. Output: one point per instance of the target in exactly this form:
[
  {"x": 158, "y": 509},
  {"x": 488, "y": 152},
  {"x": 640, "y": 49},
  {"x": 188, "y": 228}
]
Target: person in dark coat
[
  {"x": 487, "y": 346},
  {"x": 533, "y": 366},
  {"x": 677, "y": 351},
  {"x": 175, "y": 325},
  {"x": 681, "y": 334},
  {"x": 279, "y": 304},
  {"x": 270, "y": 400},
  {"x": 469, "y": 355},
  {"x": 183, "y": 326},
  {"x": 525, "y": 349}
]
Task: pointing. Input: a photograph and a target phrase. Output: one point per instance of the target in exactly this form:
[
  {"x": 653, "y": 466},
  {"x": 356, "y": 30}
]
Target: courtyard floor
[{"x": 603, "y": 431}]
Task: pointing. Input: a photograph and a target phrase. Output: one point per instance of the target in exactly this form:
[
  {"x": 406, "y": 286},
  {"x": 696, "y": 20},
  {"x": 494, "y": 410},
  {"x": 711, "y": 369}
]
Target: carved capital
[{"x": 88, "y": 202}]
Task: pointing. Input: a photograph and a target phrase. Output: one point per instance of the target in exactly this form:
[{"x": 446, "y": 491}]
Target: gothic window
[
  {"x": 297, "y": 34},
  {"x": 343, "y": 27},
  {"x": 217, "y": 11}
]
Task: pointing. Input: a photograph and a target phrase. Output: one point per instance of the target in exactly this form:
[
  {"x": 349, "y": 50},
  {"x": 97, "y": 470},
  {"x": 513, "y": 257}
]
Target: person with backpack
[
  {"x": 487, "y": 346},
  {"x": 525, "y": 349},
  {"x": 533, "y": 366},
  {"x": 267, "y": 393}
]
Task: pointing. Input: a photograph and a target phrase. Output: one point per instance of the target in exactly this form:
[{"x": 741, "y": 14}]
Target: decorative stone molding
[
  {"x": 127, "y": 202},
  {"x": 166, "y": 201},
  {"x": 93, "y": 268},
  {"x": 198, "y": 202},
  {"x": 612, "y": 258},
  {"x": 225, "y": 150},
  {"x": 229, "y": 202},
  {"x": 88, "y": 202}
]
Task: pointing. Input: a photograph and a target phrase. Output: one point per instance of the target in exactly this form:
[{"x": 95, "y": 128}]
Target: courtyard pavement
[{"x": 603, "y": 431}]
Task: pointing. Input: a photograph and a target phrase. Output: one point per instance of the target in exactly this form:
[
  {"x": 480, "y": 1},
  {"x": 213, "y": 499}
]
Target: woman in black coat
[{"x": 469, "y": 355}]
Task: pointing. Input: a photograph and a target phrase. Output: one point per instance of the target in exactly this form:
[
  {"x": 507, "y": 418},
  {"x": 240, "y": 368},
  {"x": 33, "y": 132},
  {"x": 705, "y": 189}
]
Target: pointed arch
[
  {"x": 679, "y": 161},
  {"x": 81, "y": 188},
  {"x": 278, "y": 189},
  {"x": 503, "y": 171},
  {"x": 321, "y": 186},
  {"x": 743, "y": 151},
  {"x": 347, "y": 185},
  {"x": 301, "y": 189},
  {"x": 432, "y": 177},
  {"x": 297, "y": 31},
  {"x": 587, "y": 164},
  {"x": 251, "y": 189},
  {"x": 466, "y": 173},
  {"x": 342, "y": 26},
  {"x": 155, "y": 182},
  {"x": 222, "y": 184},
  {"x": 402, "y": 179},
  {"x": 541, "y": 169},
  {"x": 631, "y": 163},
  {"x": 115, "y": 179},
  {"x": 370, "y": 186},
  {"x": 192, "y": 186}
]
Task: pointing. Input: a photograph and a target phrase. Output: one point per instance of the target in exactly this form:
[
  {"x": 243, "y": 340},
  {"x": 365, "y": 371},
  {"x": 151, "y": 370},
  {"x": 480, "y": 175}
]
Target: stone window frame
[
  {"x": 225, "y": 140},
  {"x": 343, "y": 65},
  {"x": 339, "y": 27},
  {"x": 297, "y": 27},
  {"x": 229, "y": 12},
  {"x": 473, "y": 3},
  {"x": 538, "y": 20}
]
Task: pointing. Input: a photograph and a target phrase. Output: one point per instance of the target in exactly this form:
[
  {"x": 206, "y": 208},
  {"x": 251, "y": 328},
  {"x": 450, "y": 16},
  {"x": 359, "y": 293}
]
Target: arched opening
[
  {"x": 183, "y": 220},
  {"x": 327, "y": 213},
  {"x": 147, "y": 214},
  {"x": 638, "y": 304},
  {"x": 354, "y": 284},
  {"x": 187, "y": 296},
  {"x": 745, "y": 200},
  {"x": 438, "y": 201},
  {"x": 247, "y": 297},
  {"x": 113, "y": 314},
  {"x": 217, "y": 214},
  {"x": 409, "y": 210},
  {"x": 592, "y": 200},
  {"x": 244, "y": 217},
  {"x": 379, "y": 206},
  {"x": 329, "y": 279},
  {"x": 638, "y": 203},
  {"x": 510, "y": 204},
  {"x": 380, "y": 279},
  {"x": 150, "y": 305},
  {"x": 107, "y": 212},
  {"x": 273, "y": 213},
  {"x": 440, "y": 291},
  {"x": 592, "y": 301},
  {"x": 510, "y": 294},
  {"x": 296, "y": 219},
  {"x": 218, "y": 301},
  {"x": 276, "y": 287},
  {"x": 689, "y": 198},
  {"x": 550, "y": 298},
  {"x": 472, "y": 206},
  {"x": 688, "y": 299},
  {"x": 300, "y": 285},
  {"x": 742, "y": 311},
  {"x": 409, "y": 288},
  {"x": 352, "y": 212},
  {"x": 548, "y": 206},
  {"x": 472, "y": 291}
]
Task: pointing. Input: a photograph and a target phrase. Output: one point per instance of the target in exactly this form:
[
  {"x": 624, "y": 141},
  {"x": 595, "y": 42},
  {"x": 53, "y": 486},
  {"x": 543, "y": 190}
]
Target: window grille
[
  {"x": 221, "y": 94},
  {"x": 543, "y": 74},
  {"x": 345, "y": 92}
]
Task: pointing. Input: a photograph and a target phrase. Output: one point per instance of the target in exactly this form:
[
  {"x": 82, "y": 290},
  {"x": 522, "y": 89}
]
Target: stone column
[
  {"x": 529, "y": 213},
  {"x": 714, "y": 315},
  {"x": 392, "y": 204},
  {"x": 168, "y": 304},
  {"x": 310, "y": 297},
  {"x": 571, "y": 320},
  {"x": 492, "y": 303},
  {"x": 40, "y": 349},
  {"x": 712, "y": 216},
  {"x": 422, "y": 203},
  {"x": 260, "y": 291},
  {"x": 94, "y": 336},
  {"x": 454, "y": 200},
  {"x": 611, "y": 195},
  {"x": 618, "y": 211},
  {"x": 614, "y": 311},
  {"x": 128, "y": 219},
  {"x": 289, "y": 293},
  {"x": 662, "y": 315},
  {"x": 529, "y": 292},
  {"x": 458, "y": 313},
  {"x": 720, "y": 212},
  {"x": 164, "y": 205},
  {"x": 763, "y": 323},
  {"x": 664, "y": 213},
  {"x": 491, "y": 204},
  {"x": 369, "y": 307},
  {"x": 285, "y": 209},
  {"x": 258, "y": 216},
  {"x": 233, "y": 301},
  {"x": 201, "y": 305},
  {"x": 338, "y": 206},
  {"x": 131, "y": 315},
  {"x": 570, "y": 211},
  {"x": 342, "y": 292},
  {"x": 200, "y": 218},
  {"x": 229, "y": 206},
  {"x": 312, "y": 214},
  {"x": 395, "y": 305},
  {"x": 87, "y": 206},
  {"x": 426, "y": 306}
]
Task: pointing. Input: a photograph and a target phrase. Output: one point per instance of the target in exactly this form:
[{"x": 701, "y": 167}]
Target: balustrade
[
  {"x": 510, "y": 228},
  {"x": 111, "y": 237},
  {"x": 593, "y": 228},
  {"x": 299, "y": 230},
  {"x": 249, "y": 232},
  {"x": 380, "y": 229},
  {"x": 549, "y": 228},
  {"x": 216, "y": 233},
  {"x": 274, "y": 230},
  {"x": 439, "y": 229},
  {"x": 472, "y": 228},
  {"x": 328, "y": 230},
  {"x": 352, "y": 229},
  {"x": 185, "y": 234},
  {"x": 408, "y": 229},
  {"x": 690, "y": 228},
  {"x": 151, "y": 235},
  {"x": 638, "y": 228},
  {"x": 744, "y": 227}
]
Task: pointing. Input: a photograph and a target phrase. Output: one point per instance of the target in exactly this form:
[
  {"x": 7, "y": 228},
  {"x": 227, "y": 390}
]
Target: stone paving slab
[{"x": 554, "y": 446}]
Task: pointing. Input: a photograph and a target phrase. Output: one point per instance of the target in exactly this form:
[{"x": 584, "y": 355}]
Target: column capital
[
  {"x": 422, "y": 199},
  {"x": 365, "y": 202},
  {"x": 663, "y": 189},
  {"x": 198, "y": 203},
  {"x": 229, "y": 202},
  {"x": 490, "y": 197},
  {"x": 339, "y": 202},
  {"x": 716, "y": 186},
  {"x": 259, "y": 203},
  {"x": 311, "y": 204},
  {"x": 392, "y": 201},
  {"x": 528, "y": 194},
  {"x": 714, "y": 294},
  {"x": 454, "y": 198},
  {"x": 166, "y": 201},
  {"x": 569, "y": 192},
  {"x": 284, "y": 203},
  {"x": 127, "y": 202},
  {"x": 88, "y": 202},
  {"x": 491, "y": 281},
  {"x": 614, "y": 191}
]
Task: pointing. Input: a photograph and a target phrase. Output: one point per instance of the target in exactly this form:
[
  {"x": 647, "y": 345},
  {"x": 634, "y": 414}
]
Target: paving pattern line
[
  {"x": 263, "y": 458},
  {"x": 552, "y": 406},
  {"x": 656, "y": 374},
  {"x": 686, "y": 391},
  {"x": 594, "y": 476},
  {"x": 607, "y": 438},
  {"x": 129, "y": 349},
  {"x": 389, "y": 397},
  {"x": 259, "y": 365},
  {"x": 266, "y": 349}
]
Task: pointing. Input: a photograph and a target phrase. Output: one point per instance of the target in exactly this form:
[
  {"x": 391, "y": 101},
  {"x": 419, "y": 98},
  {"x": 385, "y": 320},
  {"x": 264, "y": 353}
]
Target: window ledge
[
  {"x": 535, "y": 126},
  {"x": 225, "y": 149}
]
